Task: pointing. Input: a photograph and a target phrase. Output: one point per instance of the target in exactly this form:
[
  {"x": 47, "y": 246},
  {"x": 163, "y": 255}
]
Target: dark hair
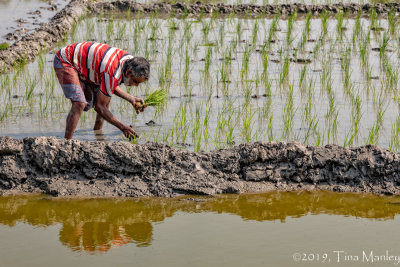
[{"x": 139, "y": 66}]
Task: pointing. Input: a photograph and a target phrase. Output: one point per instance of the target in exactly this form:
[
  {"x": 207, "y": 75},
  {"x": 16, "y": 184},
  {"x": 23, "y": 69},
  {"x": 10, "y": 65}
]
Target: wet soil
[
  {"x": 19, "y": 17},
  {"x": 80, "y": 168}
]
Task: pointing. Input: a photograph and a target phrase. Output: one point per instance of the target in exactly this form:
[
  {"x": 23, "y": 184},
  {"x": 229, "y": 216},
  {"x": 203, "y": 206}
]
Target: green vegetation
[
  {"x": 229, "y": 80},
  {"x": 156, "y": 98}
]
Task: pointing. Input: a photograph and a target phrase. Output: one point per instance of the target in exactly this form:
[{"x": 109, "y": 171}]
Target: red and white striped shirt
[{"x": 99, "y": 63}]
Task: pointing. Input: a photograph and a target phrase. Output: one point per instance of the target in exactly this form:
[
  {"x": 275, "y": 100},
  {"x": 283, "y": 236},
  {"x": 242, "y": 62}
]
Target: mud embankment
[
  {"x": 244, "y": 9},
  {"x": 49, "y": 33},
  {"x": 44, "y": 37},
  {"x": 81, "y": 168}
]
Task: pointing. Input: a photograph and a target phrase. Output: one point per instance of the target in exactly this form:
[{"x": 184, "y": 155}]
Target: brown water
[{"x": 227, "y": 230}]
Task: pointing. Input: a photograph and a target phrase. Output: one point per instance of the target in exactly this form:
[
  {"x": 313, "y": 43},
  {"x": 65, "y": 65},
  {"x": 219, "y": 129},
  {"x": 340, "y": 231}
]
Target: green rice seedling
[
  {"x": 4, "y": 46},
  {"x": 230, "y": 138},
  {"x": 207, "y": 60},
  {"x": 265, "y": 110},
  {"x": 110, "y": 29},
  {"x": 206, "y": 29},
  {"x": 197, "y": 146},
  {"x": 324, "y": 21},
  {"x": 356, "y": 118},
  {"x": 339, "y": 25},
  {"x": 288, "y": 113},
  {"x": 205, "y": 124},
  {"x": 309, "y": 104},
  {"x": 255, "y": 32},
  {"x": 245, "y": 62},
  {"x": 345, "y": 64},
  {"x": 374, "y": 131},
  {"x": 239, "y": 30},
  {"x": 332, "y": 127},
  {"x": 357, "y": 27},
  {"x": 317, "y": 47},
  {"x": 154, "y": 28},
  {"x": 384, "y": 44},
  {"x": 391, "y": 74},
  {"x": 196, "y": 125},
  {"x": 373, "y": 17},
  {"x": 156, "y": 98},
  {"x": 121, "y": 30},
  {"x": 285, "y": 70},
  {"x": 302, "y": 76},
  {"x": 221, "y": 33},
  {"x": 394, "y": 143},
  {"x": 363, "y": 50},
  {"x": 41, "y": 64},
  {"x": 187, "y": 68},
  {"x": 247, "y": 118},
  {"x": 30, "y": 87},
  {"x": 187, "y": 33},
  {"x": 270, "y": 128},
  {"x": 272, "y": 31},
  {"x": 392, "y": 21},
  {"x": 290, "y": 24}
]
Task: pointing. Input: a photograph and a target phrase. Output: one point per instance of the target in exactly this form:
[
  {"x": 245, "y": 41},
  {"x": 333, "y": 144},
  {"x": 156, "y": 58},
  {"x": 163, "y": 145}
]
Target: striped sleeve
[{"x": 106, "y": 84}]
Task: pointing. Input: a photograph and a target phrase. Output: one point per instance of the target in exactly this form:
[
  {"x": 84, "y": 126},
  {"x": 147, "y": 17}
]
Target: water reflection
[{"x": 96, "y": 225}]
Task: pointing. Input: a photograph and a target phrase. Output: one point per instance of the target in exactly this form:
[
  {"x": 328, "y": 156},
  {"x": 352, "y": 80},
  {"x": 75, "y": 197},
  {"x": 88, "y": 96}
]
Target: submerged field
[{"x": 230, "y": 80}]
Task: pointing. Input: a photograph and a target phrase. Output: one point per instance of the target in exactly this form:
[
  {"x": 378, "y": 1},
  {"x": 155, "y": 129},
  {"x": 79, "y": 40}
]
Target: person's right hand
[{"x": 129, "y": 132}]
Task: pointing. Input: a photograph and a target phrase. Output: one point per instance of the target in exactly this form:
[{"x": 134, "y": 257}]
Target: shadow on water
[{"x": 96, "y": 225}]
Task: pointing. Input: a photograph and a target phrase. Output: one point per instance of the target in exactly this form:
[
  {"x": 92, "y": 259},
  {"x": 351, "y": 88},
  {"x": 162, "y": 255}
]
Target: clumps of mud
[
  {"x": 81, "y": 168},
  {"x": 49, "y": 33},
  {"x": 44, "y": 37},
  {"x": 244, "y": 9}
]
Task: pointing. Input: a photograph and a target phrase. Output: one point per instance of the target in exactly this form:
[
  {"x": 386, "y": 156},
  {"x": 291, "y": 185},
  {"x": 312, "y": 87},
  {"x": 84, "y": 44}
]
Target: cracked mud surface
[{"x": 80, "y": 168}]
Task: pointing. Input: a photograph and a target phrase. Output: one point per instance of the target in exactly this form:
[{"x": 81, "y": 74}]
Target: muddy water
[
  {"x": 227, "y": 230},
  {"x": 25, "y": 15}
]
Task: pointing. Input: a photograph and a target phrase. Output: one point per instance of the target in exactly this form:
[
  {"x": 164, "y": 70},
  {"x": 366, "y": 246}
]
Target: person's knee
[{"x": 78, "y": 106}]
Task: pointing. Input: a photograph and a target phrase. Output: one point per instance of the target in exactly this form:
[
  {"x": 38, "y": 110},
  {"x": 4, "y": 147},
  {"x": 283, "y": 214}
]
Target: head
[{"x": 136, "y": 71}]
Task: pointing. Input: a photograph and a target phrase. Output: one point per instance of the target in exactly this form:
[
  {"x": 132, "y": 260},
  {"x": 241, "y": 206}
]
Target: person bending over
[{"x": 89, "y": 73}]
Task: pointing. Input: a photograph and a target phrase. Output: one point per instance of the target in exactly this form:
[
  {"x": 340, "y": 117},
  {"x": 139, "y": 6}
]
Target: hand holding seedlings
[
  {"x": 138, "y": 104},
  {"x": 129, "y": 132}
]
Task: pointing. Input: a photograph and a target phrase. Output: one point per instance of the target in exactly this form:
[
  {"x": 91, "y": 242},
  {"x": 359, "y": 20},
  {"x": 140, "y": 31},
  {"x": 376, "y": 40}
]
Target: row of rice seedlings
[{"x": 178, "y": 64}]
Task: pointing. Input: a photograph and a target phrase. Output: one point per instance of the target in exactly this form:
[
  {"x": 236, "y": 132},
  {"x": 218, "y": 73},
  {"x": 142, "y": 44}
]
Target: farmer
[{"x": 89, "y": 73}]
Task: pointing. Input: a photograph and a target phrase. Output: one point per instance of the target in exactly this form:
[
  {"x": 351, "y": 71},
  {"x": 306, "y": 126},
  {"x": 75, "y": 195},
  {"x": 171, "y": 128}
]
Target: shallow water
[
  {"x": 226, "y": 230},
  {"x": 202, "y": 113},
  {"x": 13, "y": 10}
]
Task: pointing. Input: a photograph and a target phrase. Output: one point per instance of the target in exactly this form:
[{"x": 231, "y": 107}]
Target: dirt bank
[
  {"x": 244, "y": 9},
  {"x": 49, "y": 33},
  {"x": 81, "y": 168},
  {"x": 43, "y": 37}
]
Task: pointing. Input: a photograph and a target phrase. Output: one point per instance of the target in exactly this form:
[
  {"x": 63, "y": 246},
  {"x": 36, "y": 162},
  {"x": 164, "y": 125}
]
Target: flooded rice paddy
[
  {"x": 226, "y": 230},
  {"x": 317, "y": 80},
  {"x": 19, "y": 17}
]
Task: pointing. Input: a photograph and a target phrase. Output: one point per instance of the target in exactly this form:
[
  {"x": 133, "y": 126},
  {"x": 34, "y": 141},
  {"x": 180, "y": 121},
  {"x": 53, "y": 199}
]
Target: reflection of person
[
  {"x": 101, "y": 236},
  {"x": 85, "y": 69}
]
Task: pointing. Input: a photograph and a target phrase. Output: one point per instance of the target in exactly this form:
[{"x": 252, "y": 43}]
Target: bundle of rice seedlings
[{"x": 156, "y": 98}]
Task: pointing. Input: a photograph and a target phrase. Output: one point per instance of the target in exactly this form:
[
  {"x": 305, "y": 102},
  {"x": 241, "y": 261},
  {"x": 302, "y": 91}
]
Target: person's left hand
[{"x": 138, "y": 104}]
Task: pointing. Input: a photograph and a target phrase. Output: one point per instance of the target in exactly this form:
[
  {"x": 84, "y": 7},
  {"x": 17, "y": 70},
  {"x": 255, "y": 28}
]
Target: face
[{"x": 131, "y": 80}]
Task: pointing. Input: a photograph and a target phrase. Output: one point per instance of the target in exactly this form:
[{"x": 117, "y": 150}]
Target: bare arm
[
  {"x": 102, "y": 109},
  {"x": 136, "y": 102},
  {"x": 121, "y": 93}
]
